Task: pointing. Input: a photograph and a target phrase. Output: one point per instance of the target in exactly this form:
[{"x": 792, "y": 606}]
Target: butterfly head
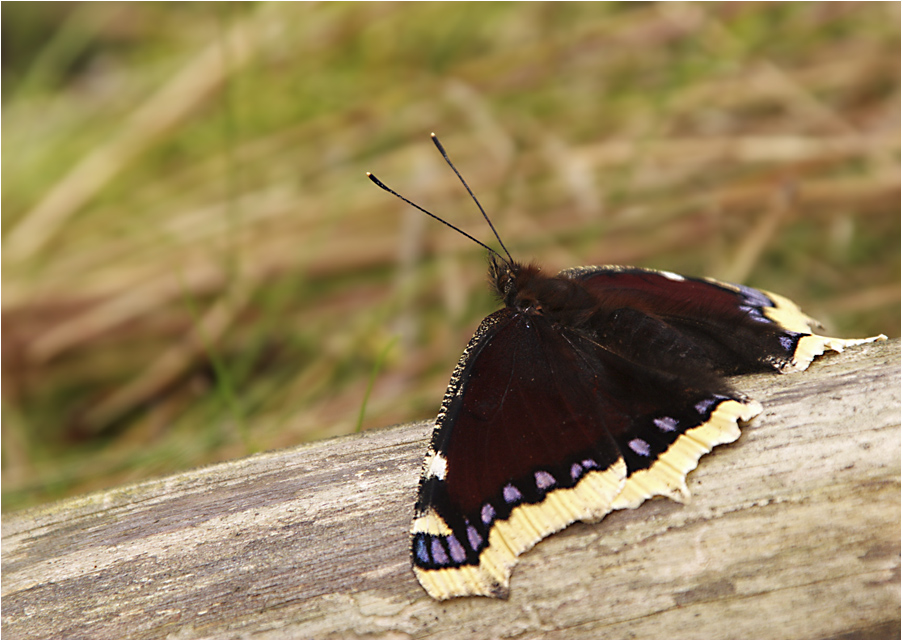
[
  {"x": 503, "y": 276},
  {"x": 516, "y": 283},
  {"x": 526, "y": 289}
]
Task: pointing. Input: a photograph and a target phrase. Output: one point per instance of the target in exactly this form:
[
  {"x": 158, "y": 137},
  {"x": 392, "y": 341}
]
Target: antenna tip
[
  {"x": 432, "y": 135},
  {"x": 376, "y": 181}
]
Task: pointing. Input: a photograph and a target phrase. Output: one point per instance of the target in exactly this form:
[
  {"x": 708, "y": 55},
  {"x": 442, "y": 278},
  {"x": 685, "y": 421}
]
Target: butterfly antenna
[
  {"x": 473, "y": 196},
  {"x": 385, "y": 187}
]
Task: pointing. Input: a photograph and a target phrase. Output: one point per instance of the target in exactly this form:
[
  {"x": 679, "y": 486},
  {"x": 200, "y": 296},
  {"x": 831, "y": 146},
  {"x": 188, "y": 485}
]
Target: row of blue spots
[
  {"x": 429, "y": 549},
  {"x": 446, "y": 550}
]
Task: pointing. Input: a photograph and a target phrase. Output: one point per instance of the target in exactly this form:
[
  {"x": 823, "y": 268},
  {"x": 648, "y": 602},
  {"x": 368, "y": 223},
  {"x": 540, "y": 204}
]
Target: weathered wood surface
[{"x": 793, "y": 531}]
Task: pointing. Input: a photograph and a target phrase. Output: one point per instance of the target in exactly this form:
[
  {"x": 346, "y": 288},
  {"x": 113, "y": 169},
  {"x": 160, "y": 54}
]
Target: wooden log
[{"x": 793, "y": 532}]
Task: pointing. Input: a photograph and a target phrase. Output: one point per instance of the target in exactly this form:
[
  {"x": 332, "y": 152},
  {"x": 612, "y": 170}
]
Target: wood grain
[{"x": 793, "y": 532}]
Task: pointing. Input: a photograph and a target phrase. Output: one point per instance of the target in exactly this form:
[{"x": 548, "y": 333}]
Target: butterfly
[{"x": 590, "y": 391}]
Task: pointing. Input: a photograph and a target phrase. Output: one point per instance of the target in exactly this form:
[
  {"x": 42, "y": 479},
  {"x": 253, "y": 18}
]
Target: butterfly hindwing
[{"x": 541, "y": 427}]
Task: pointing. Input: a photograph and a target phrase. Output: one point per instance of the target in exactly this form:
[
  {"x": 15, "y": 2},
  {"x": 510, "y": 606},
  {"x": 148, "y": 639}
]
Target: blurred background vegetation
[{"x": 196, "y": 268}]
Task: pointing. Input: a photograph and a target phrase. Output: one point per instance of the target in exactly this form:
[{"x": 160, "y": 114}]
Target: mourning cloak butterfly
[{"x": 590, "y": 391}]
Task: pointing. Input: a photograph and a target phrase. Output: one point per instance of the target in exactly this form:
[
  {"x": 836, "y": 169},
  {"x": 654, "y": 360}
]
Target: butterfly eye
[{"x": 528, "y": 303}]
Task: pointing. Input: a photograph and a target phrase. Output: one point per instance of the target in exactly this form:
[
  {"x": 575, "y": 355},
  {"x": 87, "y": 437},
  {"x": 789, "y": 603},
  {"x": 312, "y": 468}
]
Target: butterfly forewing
[{"x": 734, "y": 329}]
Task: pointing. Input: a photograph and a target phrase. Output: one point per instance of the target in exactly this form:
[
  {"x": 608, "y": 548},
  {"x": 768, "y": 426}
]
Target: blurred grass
[{"x": 196, "y": 268}]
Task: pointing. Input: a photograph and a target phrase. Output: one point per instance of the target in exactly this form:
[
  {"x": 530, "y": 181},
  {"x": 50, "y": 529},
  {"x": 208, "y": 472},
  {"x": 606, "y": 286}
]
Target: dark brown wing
[
  {"x": 732, "y": 329},
  {"x": 541, "y": 427}
]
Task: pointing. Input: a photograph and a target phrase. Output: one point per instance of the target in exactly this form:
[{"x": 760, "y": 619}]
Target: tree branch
[{"x": 793, "y": 531}]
